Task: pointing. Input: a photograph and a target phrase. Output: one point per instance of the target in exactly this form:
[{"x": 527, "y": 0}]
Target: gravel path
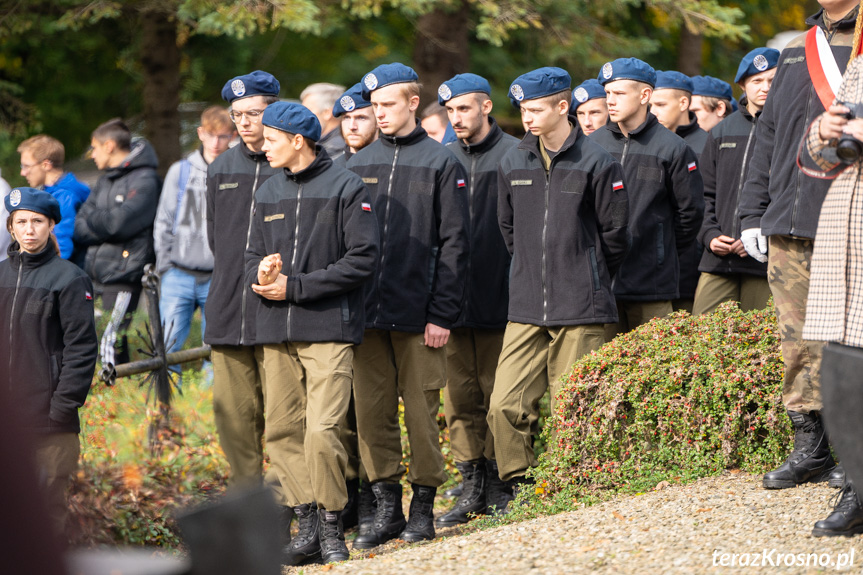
[{"x": 678, "y": 529}]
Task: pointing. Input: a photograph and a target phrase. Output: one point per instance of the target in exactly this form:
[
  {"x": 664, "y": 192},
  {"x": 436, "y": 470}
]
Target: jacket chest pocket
[
  {"x": 649, "y": 174},
  {"x": 326, "y": 217},
  {"x": 573, "y": 183},
  {"x": 39, "y": 307}
]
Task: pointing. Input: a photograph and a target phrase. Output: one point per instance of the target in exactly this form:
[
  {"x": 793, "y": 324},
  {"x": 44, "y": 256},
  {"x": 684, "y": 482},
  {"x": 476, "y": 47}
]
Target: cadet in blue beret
[
  {"x": 588, "y": 102},
  {"x": 670, "y": 103},
  {"x": 419, "y": 195},
  {"x": 755, "y": 75},
  {"x": 49, "y": 347},
  {"x": 711, "y": 100},
  {"x": 358, "y": 125},
  {"x": 313, "y": 244},
  {"x": 665, "y": 191},
  {"x": 562, "y": 210},
  {"x": 232, "y": 180}
]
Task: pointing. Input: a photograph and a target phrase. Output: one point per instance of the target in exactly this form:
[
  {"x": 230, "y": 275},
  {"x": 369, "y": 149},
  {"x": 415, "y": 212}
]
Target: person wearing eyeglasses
[{"x": 184, "y": 260}]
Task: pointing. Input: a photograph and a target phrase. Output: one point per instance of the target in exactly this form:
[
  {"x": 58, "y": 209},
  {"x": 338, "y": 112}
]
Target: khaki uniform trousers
[
  {"x": 238, "y": 408},
  {"x": 532, "y": 360},
  {"x": 751, "y": 292},
  {"x": 788, "y": 261},
  {"x": 389, "y": 364},
  {"x": 308, "y": 391},
  {"x": 471, "y": 362},
  {"x": 56, "y": 459},
  {"x": 632, "y": 314}
]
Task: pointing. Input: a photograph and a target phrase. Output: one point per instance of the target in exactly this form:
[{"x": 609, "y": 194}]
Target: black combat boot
[
  {"x": 332, "y": 537},
  {"x": 837, "y": 477},
  {"x": 810, "y": 460},
  {"x": 286, "y": 515},
  {"x": 499, "y": 492},
  {"x": 306, "y": 546},
  {"x": 454, "y": 492},
  {"x": 472, "y": 500},
  {"x": 847, "y": 516},
  {"x": 389, "y": 517},
  {"x": 420, "y": 525},
  {"x": 367, "y": 505},
  {"x": 350, "y": 514}
]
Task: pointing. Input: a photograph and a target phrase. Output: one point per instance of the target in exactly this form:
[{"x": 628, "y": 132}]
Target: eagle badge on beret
[
  {"x": 760, "y": 62},
  {"x": 15, "y": 197},
  {"x": 581, "y": 95},
  {"x": 444, "y": 92},
  {"x": 607, "y": 70},
  {"x": 348, "y": 103},
  {"x": 370, "y": 81},
  {"x": 517, "y": 92},
  {"x": 238, "y": 88}
]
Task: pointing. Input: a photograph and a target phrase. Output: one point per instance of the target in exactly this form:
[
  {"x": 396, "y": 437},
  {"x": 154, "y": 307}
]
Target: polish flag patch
[
  {"x": 692, "y": 167},
  {"x": 617, "y": 186},
  {"x": 367, "y": 207},
  {"x": 88, "y": 296},
  {"x": 460, "y": 183}
]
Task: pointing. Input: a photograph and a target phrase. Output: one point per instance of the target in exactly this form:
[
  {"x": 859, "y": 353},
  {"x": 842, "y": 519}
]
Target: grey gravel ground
[{"x": 676, "y": 529}]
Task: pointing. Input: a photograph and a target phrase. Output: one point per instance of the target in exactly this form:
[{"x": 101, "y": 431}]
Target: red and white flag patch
[
  {"x": 617, "y": 186},
  {"x": 367, "y": 207},
  {"x": 691, "y": 166},
  {"x": 88, "y": 296},
  {"x": 460, "y": 183}
]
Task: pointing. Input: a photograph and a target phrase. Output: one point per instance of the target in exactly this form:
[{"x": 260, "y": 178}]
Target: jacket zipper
[
  {"x": 544, "y": 239},
  {"x": 735, "y": 226},
  {"x": 625, "y": 149},
  {"x": 294, "y": 253},
  {"x": 248, "y": 237},
  {"x": 470, "y": 230},
  {"x": 386, "y": 227},
  {"x": 12, "y": 313}
]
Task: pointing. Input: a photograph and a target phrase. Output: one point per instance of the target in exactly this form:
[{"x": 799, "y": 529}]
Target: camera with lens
[{"x": 849, "y": 148}]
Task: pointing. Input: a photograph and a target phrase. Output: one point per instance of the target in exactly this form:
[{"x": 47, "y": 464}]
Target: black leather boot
[
  {"x": 846, "y": 518},
  {"x": 286, "y": 515},
  {"x": 454, "y": 492},
  {"x": 389, "y": 518},
  {"x": 472, "y": 500},
  {"x": 366, "y": 505},
  {"x": 306, "y": 546},
  {"x": 499, "y": 492},
  {"x": 350, "y": 514},
  {"x": 332, "y": 536},
  {"x": 810, "y": 460},
  {"x": 837, "y": 477},
  {"x": 420, "y": 526}
]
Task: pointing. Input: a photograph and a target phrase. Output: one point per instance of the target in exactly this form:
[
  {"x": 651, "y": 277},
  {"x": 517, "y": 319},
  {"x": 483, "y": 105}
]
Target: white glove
[{"x": 754, "y": 243}]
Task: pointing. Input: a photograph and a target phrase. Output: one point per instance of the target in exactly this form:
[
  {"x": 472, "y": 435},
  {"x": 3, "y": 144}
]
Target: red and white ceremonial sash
[{"x": 823, "y": 70}]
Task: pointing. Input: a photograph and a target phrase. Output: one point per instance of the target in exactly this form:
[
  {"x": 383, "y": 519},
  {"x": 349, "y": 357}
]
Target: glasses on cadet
[
  {"x": 27, "y": 167},
  {"x": 254, "y": 116},
  {"x": 219, "y": 137}
]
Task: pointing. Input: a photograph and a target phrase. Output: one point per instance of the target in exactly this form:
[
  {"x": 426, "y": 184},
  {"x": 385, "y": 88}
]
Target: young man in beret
[
  {"x": 665, "y": 192},
  {"x": 231, "y": 311},
  {"x": 563, "y": 212},
  {"x": 474, "y": 346},
  {"x": 358, "y": 124},
  {"x": 312, "y": 247},
  {"x": 419, "y": 193},
  {"x": 711, "y": 101},
  {"x": 728, "y": 272},
  {"x": 588, "y": 103}
]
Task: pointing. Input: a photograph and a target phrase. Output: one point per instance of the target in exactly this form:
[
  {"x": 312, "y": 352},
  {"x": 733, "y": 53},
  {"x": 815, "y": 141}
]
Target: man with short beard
[
  {"x": 358, "y": 125},
  {"x": 474, "y": 346}
]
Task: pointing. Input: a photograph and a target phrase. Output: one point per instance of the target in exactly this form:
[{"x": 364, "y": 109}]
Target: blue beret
[
  {"x": 538, "y": 83},
  {"x": 258, "y": 83},
  {"x": 33, "y": 200},
  {"x": 350, "y": 101},
  {"x": 627, "y": 69},
  {"x": 734, "y": 105},
  {"x": 755, "y": 62},
  {"x": 461, "y": 84},
  {"x": 588, "y": 90},
  {"x": 671, "y": 79},
  {"x": 292, "y": 118},
  {"x": 711, "y": 87},
  {"x": 387, "y": 74}
]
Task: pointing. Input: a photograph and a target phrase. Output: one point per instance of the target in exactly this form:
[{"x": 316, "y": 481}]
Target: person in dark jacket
[
  {"x": 231, "y": 311},
  {"x": 588, "y": 105},
  {"x": 116, "y": 225},
  {"x": 474, "y": 346},
  {"x": 313, "y": 245},
  {"x": 780, "y": 206},
  {"x": 563, "y": 212},
  {"x": 358, "y": 124},
  {"x": 49, "y": 348},
  {"x": 418, "y": 191},
  {"x": 665, "y": 192},
  {"x": 728, "y": 273}
]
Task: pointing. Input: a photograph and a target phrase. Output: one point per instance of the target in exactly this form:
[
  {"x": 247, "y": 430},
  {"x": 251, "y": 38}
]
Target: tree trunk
[
  {"x": 160, "y": 60},
  {"x": 689, "y": 52},
  {"x": 441, "y": 49}
]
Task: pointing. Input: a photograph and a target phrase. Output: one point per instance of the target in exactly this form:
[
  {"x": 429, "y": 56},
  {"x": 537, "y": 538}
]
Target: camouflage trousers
[{"x": 788, "y": 275}]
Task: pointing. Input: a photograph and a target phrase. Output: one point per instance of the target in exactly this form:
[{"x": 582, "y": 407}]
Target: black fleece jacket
[
  {"x": 320, "y": 220},
  {"x": 232, "y": 306},
  {"x": 487, "y": 299},
  {"x": 566, "y": 230},
  {"x": 419, "y": 194},
  {"x": 724, "y": 165},
  {"x": 49, "y": 339},
  {"x": 666, "y": 200},
  {"x": 777, "y": 196}
]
